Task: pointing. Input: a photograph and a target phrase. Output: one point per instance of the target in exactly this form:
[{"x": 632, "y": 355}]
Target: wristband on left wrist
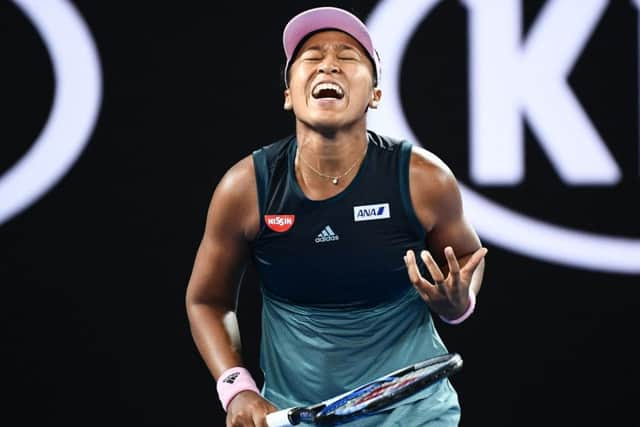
[{"x": 471, "y": 307}]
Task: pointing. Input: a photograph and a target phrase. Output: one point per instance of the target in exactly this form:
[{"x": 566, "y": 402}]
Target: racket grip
[{"x": 279, "y": 418}]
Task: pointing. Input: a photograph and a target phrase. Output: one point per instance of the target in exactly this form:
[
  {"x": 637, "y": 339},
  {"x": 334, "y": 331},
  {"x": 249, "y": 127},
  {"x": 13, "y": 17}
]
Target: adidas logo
[
  {"x": 327, "y": 235},
  {"x": 231, "y": 378}
]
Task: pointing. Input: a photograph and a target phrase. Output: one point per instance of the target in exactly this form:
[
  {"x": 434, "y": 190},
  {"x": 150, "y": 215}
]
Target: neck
[
  {"x": 331, "y": 152},
  {"x": 338, "y": 180}
]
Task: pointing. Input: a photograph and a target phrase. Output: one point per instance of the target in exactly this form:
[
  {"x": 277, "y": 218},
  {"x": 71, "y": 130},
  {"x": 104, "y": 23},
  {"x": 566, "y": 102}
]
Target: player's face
[{"x": 331, "y": 81}]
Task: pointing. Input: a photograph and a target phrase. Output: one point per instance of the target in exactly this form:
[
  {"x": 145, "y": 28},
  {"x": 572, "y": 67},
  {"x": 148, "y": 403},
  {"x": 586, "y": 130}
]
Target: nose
[{"x": 329, "y": 65}]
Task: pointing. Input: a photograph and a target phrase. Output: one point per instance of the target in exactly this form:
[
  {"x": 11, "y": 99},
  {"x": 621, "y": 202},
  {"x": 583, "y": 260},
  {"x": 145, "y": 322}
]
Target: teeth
[{"x": 327, "y": 86}]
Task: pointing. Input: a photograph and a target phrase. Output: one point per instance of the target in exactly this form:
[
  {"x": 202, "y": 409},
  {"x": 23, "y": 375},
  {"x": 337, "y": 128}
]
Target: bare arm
[
  {"x": 220, "y": 260},
  {"x": 455, "y": 258},
  {"x": 232, "y": 222}
]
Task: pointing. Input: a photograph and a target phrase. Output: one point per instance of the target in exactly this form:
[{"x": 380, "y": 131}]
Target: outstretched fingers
[
  {"x": 436, "y": 274},
  {"x": 452, "y": 261},
  {"x": 422, "y": 285},
  {"x": 474, "y": 260},
  {"x": 412, "y": 268}
]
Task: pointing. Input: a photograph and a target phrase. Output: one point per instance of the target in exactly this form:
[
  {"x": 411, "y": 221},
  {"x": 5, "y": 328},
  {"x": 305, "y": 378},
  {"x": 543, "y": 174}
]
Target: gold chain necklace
[{"x": 334, "y": 179}]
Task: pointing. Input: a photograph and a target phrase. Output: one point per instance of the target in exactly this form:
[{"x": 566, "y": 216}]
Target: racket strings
[{"x": 383, "y": 389}]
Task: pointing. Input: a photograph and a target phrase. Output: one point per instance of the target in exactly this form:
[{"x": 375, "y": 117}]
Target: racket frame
[{"x": 313, "y": 414}]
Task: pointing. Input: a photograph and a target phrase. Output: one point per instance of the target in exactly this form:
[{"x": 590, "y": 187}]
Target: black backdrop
[{"x": 93, "y": 274}]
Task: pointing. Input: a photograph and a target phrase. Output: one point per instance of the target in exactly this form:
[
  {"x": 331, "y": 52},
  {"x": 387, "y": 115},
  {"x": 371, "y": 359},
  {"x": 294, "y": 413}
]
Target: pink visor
[{"x": 324, "y": 18}]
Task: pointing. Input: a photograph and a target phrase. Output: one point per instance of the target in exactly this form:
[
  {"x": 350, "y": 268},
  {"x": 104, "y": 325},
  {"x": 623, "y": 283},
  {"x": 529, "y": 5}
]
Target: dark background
[{"x": 93, "y": 275}]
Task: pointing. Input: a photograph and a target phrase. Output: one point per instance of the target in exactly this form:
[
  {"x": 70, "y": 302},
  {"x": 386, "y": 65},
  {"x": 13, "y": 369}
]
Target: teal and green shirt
[{"x": 338, "y": 307}]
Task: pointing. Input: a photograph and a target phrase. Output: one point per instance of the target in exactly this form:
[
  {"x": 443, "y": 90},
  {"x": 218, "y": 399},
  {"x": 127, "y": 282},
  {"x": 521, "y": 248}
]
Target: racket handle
[{"x": 279, "y": 418}]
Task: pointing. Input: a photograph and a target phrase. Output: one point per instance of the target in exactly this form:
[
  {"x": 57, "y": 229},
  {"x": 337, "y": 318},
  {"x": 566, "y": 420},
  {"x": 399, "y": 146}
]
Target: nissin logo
[
  {"x": 517, "y": 76},
  {"x": 279, "y": 223},
  {"x": 371, "y": 212}
]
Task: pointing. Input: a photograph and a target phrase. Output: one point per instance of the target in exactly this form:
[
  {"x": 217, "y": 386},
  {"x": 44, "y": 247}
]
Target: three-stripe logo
[{"x": 327, "y": 235}]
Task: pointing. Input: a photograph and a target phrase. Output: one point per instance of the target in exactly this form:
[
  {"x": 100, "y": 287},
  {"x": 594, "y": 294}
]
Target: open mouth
[{"x": 327, "y": 90}]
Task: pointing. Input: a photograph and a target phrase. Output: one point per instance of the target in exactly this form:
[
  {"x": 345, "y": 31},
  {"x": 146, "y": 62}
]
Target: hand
[
  {"x": 248, "y": 409},
  {"x": 449, "y": 297}
]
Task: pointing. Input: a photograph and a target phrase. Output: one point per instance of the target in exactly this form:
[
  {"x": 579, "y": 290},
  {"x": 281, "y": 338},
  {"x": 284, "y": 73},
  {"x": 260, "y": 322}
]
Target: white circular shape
[
  {"x": 75, "y": 107},
  {"x": 392, "y": 24}
]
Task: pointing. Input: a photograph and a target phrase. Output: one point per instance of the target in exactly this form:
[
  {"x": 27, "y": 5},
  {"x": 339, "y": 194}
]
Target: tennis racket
[{"x": 371, "y": 397}]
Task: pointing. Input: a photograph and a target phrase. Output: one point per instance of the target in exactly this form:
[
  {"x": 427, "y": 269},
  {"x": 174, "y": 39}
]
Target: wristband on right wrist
[{"x": 233, "y": 381}]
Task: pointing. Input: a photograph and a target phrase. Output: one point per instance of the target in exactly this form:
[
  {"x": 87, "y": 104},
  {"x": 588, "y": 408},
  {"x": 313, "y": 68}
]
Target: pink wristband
[
  {"x": 467, "y": 312},
  {"x": 233, "y": 381}
]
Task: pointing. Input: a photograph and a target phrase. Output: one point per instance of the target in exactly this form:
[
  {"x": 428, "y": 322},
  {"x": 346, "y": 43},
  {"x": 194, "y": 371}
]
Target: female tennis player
[{"x": 359, "y": 240}]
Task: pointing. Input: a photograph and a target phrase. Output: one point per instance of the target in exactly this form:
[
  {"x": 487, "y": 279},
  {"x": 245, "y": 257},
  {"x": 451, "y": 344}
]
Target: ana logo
[
  {"x": 279, "y": 223},
  {"x": 516, "y": 76},
  {"x": 370, "y": 212},
  {"x": 327, "y": 235}
]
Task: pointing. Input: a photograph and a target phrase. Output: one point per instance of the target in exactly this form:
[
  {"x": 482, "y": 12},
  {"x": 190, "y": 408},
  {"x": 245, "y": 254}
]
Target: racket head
[{"x": 377, "y": 395}]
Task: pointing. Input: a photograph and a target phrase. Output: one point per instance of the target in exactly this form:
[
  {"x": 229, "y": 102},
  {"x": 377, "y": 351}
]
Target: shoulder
[
  {"x": 240, "y": 176},
  {"x": 383, "y": 142},
  {"x": 430, "y": 171},
  {"x": 276, "y": 149},
  {"x": 238, "y": 186},
  {"x": 433, "y": 187},
  {"x": 234, "y": 204}
]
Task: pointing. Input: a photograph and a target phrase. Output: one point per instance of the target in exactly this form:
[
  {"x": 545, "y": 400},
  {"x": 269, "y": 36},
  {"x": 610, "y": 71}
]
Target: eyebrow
[{"x": 341, "y": 46}]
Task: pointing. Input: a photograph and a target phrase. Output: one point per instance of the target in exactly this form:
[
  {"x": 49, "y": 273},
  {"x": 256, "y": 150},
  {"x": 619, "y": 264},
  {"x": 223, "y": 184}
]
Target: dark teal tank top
[
  {"x": 345, "y": 250},
  {"x": 338, "y": 307}
]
